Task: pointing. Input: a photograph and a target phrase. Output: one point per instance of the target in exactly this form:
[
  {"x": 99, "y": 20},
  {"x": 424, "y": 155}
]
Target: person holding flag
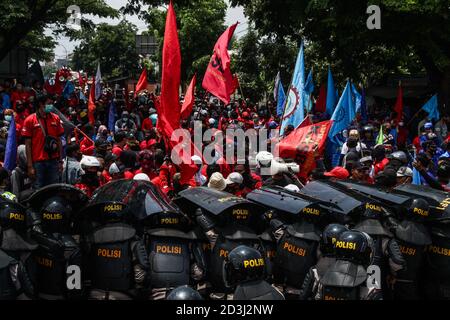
[{"x": 293, "y": 110}]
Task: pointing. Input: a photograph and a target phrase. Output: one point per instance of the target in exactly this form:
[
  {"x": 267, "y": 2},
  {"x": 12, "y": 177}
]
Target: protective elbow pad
[{"x": 395, "y": 253}]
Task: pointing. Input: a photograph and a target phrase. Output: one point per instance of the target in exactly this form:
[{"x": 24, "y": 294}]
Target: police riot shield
[
  {"x": 341, "y": 203},
  {"x": 222, "y": 205},
  {"x": 439, "y": 201},
  {"x": 394, "y": 202},
  {"x": 142, "y": 198},
  {"x": 77, "y": 198},
  {"x": 288, "y": 205}
]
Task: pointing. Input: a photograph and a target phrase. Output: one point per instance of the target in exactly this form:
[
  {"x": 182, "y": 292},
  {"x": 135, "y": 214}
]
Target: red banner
[
  {"x": 91, "y": 103},
  {"x": 218, "y": 77},
  {"x": 304, "y": 144},
  {"x": 189, "y": 99},
  {"x": 169, "y": 109},
  {"x": 142, "y": 82}
]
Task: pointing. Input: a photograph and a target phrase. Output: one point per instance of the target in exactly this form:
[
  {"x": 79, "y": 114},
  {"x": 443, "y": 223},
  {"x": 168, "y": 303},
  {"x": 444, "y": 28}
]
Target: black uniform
[
  {"x": 325, "y": 261},
  {"x": 58, "y": 257},
  {"x": 387, "y": 254},
  {"x": 224, "y": 235},
  {"x": 17, "y": 268},
  {"x": 413, "y": 238},
  {"x": 117, "y": 262},
  {"x": 175, "y": 256},
  {"x": 245, "y": 270},
  {"x": 347, "y": 278},
  {"x": 436, "y": 280}
]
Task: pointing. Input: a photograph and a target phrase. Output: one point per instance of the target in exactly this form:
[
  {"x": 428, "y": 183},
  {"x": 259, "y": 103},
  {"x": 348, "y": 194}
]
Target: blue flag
[
  {"x": 431, "y": 107},
  {"x": 280, "y": 99},
  {"x": 309, "y": 88},
  {"x": 69, "y": 88},
  {"x": 331, "y": 94},
  {"x": 82, "y": 96},
  {"x": 11, "y": 147},
  {"x": 344, "y": 113},
  {"x": 112, "y": 116},
  {"x": 364, "y": 115},
  {"x": 293, "y": 110},
  {"x": 357, "y": 98}
]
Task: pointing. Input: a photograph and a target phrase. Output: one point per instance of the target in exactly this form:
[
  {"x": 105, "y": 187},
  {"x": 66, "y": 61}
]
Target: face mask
[
  {"x": 8, "y": 118},
  {"x": 48, "y": 108}
]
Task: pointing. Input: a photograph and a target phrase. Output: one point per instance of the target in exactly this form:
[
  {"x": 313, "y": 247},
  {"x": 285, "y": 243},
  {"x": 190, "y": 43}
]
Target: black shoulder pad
[{"x": 395, "y": 254}]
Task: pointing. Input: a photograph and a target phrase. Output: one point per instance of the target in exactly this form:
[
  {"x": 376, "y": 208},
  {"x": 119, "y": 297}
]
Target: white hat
[
  {"x": 292, "y": 187},
  {"x": 234, "y": 177},
  {"x": 113, "y": 169},
  {"x": 196, "y": 159},
  {"x": 404, "y": 172},
  {"x": 89, "y": 161},
  {"x": 211, "y": 121},
  {"x": 141, "y": 176},
  {"x": 264, "y": 158},
  {"x": 217, "y": 181}
]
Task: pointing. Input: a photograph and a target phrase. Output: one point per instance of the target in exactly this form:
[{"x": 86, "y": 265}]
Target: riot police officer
[
  {"x": 117, "y": 263},
  {"x": 184, "y": 293},
  {"x": 413, "y": 238},
  {"x": 347, "y": 278},
  {"x": 224, "y": 235},
  {"x": 387, "y": 254},
  {"x": 15, "y": 251},
  {"x": 327, "y": 259},
  {"x": 368, "y": 137},
  {"x": 58, "y": 256},
  {"x": 14, "y": 280},
  {"x": 245, "y": 269},
  {"x": 176, "y": 258},
  {"x": 436, "y": 278},
  {"x": 297, "y": 249}
]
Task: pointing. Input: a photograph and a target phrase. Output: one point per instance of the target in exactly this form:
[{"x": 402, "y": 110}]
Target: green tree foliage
[
  {"x": 22, "y": 22},
  {"x": 113, "y": 46},
  {"x": 246, "y": 62},
  {"x": 414, "y": 36},
  {"x": 200, "y": 23}
]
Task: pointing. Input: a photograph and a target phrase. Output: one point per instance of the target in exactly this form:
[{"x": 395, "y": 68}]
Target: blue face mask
[
  {"x": 8, "y": 118},
  {"x": 48, "y": 108}
]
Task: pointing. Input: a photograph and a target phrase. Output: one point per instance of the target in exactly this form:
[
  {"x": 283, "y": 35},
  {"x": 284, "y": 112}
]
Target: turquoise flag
[
  {"x": 293, "y": 109},
  {"x": 344, "y": 113},
  {"x": 431, "y": 107}
]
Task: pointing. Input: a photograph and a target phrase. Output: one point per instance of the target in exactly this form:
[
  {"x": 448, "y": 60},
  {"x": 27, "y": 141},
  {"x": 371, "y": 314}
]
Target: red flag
[
  {"x": 304, "y": 144},
  {"x": 306, "y": 122},
  {"x": 321, "y": 103},
  {"x": 235, "y": 83},
  {"x": 142, "y": 82},
  {"x": 91, "y": 103},
  {"x": 189, "y": 99},
  {"x": 218, "y": 77},
  {"x": 399, "y": 103},
  {"x": 169, "y": 109}
]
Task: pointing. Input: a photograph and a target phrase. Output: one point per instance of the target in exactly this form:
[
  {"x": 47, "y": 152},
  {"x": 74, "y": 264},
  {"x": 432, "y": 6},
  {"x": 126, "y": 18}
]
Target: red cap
[
  {"x": 338, "y": 173},
  {"x": 151, "y": 142}
]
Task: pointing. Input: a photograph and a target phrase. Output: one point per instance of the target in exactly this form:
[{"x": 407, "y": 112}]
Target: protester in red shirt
[
  {"x": 146, "y": 159},
  {"x": 120, "y": 142},
  {"x": 42, "y": 131},
  {"x": 20, "y": 95},
  {"x": 87, "y": 146}
]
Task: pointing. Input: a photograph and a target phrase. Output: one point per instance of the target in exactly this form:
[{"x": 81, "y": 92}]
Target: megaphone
[
  {"x": 263, "y": 158},
  {"x": 278, "y": 167}
]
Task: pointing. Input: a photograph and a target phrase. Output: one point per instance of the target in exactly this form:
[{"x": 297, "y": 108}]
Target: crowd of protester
[{"x": 91, "y": 155}]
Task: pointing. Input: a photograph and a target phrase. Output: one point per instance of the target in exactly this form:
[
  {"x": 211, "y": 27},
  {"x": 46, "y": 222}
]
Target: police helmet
[
  {"x": 373, "y": 211},
  {"x": 329, "y": 236},
  {"x": 419, "y": 209},
  {"x": 244, "y": 264},
  {"x": 398, "y": 155},
  {"x": 13, "y": 216},
  {"x": 184, "y": 293},
  {"x": 354, "y": 246},
  {"x": 55, "y": 214}
]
